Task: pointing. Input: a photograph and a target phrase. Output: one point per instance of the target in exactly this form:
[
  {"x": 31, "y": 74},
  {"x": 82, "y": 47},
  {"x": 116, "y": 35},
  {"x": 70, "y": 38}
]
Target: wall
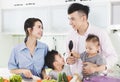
[{"x": 6, "y": 44}]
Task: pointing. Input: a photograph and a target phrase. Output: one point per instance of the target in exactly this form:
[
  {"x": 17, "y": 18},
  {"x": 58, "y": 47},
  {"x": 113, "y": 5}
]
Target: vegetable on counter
[
  {"x": 59, "y": 78},
  {"x": 3, "y": 79},
  {"x": 62, "y": 77},
  {"x": 52, "y": 80},
  {"x": 15, "y": 78},
  {"x": 65, "y": 77}
]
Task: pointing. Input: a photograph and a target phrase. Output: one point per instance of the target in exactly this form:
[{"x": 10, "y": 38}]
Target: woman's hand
[
  {"x": 45, "y": 76},
  {"x": 27, "y": 73}
]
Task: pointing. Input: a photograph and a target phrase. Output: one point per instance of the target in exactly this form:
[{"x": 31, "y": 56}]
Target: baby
[
  {"x": 92, "y": 56},
  {"x": 56, "y": 62}
]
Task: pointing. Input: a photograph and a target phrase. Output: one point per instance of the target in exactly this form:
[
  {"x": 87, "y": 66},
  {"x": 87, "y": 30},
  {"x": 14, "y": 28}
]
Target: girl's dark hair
[
  {"x": 78, "y": 7},
  {"x": 50, "y": 58},
  {"x": 29, "y": 23},
  {"x": 93, "y": 38}
]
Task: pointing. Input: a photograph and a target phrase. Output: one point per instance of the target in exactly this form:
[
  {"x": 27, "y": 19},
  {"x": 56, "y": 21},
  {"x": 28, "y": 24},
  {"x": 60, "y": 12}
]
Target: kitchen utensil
[{"x": 70, "y": 46}]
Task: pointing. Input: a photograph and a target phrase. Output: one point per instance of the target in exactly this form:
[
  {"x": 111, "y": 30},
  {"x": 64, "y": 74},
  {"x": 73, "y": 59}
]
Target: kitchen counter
[
  {"x": 102, "y": 79},
  {"x": 29, "y": 80},
  {"x": 4, "y": 72}
]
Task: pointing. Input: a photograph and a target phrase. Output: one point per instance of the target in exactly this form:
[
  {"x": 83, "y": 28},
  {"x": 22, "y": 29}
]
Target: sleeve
[
  {"x": 67, "y": 70},
  {"x": 12, "y": 60},
  {"x": 82, "y": 56},
  {"x": 100, "y": 61},
  {"x": 53, "y": 75},
  {"x": 46, "y": 50},
  {"x": 107, "y": 50}
]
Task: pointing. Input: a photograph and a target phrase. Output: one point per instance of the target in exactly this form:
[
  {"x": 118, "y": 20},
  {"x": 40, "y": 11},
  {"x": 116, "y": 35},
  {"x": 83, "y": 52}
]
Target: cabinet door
[
  {"x": 13, "y": 19},
  {"x": 115, "y": 12},
  {"x": 99, "y": 13},
  {"x": 54, "y": 17},
  {"x": 60, "y": 22}
]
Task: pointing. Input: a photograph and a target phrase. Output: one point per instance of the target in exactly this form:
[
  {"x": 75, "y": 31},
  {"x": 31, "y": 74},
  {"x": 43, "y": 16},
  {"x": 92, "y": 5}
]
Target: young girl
[{"x": 92, "y": 57}]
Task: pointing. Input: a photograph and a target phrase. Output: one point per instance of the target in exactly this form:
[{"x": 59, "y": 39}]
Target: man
[{"x": 78, "y": 16}]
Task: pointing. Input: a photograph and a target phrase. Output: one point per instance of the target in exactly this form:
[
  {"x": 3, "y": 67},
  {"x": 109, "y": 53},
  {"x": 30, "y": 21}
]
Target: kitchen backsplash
[{"x": 58, "y": 42}]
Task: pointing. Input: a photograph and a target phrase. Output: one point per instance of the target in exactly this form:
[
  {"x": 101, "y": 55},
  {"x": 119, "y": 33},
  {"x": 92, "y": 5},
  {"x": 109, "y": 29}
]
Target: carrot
[
  {"x": 5, "y": 80},
  {"x": 39, "y": 80},
  {"x": 69, "y": 78}
]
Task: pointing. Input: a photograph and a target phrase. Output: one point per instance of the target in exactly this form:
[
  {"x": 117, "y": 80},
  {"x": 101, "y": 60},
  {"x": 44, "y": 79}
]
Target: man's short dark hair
[
  {"x": 78, "y": 7},
  {"x": 50, "y": 58}
]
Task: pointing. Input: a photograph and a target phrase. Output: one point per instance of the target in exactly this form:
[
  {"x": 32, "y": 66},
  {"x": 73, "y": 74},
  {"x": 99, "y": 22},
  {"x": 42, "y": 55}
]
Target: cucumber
[
  {"x": 64, "y": 77},
  {"x": 59, "y": 78},
  {"x": 1, "y": 79}
]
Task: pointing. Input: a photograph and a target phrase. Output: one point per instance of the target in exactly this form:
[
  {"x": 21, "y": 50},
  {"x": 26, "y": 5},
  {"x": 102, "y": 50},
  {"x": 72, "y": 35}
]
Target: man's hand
[
  {"x": 89, "y": 64},
  {"x": 89, "y": 68},
  {"x": 75, "y": 54},
  {"x": 71, "y": 60}
]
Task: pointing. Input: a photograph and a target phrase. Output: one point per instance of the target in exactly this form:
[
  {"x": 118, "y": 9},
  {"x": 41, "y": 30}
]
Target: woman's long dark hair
[{"x": 29, "y": 23}]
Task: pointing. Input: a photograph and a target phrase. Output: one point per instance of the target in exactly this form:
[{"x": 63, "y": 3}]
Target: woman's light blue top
[{"x": 21, "y": 58}]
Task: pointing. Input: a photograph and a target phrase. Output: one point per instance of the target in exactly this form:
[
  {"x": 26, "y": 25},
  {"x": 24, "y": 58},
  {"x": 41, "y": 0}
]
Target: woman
[{"x": 27, "y": 58}]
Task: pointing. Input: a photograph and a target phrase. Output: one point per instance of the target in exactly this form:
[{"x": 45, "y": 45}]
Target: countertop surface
[
  {"x": 29, "y": 80},
  {"x": 4, "y": 72}
]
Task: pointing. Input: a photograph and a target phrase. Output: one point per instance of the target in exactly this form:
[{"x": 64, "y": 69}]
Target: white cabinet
[
  {"x": 60, "y": 22},
  {"x": 100, "y": 13},
  {"x": 115, "y": 13},
  {"x": 13, "y": 19},
  {"x": 52, "y": 13},
  {"x": 9, "y": 4},
  {"x": 54, "y": 17}
]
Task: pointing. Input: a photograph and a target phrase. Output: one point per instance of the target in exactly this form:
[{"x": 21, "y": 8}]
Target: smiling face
[
  {"x": 77, "y": 19},
  {"x": 37, "y": 30},
  {"x": 59, "y": 60}
]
